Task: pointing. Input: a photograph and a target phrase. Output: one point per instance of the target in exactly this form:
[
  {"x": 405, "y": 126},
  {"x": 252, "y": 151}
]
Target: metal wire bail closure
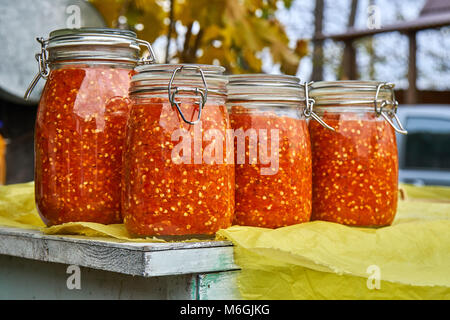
[
  {"x": 151, "y": 58},
  {"x": 43, "y": 63},
  {"x": 42, "y": 59},
  {"x": 203, "y": 93},
  {"x": 391, "y": 113},
  {"x": 308, "y": 112}
]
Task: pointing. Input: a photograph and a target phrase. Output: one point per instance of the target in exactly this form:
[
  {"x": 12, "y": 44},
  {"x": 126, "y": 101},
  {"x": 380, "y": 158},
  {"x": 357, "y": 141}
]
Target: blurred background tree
[{"x": 232, "y": 33}]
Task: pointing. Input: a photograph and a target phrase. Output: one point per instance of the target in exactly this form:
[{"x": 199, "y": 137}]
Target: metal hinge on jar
[
  {"x": 390, "y": 113},
  {"x": 42, "y": 60},
  {"x": 151, "y": 58},
  {"x": 308, "y": 112},
  {"x": 203, "y": 93}
]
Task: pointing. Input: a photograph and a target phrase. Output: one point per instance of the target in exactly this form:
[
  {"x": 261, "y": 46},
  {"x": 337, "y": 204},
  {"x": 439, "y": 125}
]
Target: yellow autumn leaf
[{"x": 231, "y": 32}]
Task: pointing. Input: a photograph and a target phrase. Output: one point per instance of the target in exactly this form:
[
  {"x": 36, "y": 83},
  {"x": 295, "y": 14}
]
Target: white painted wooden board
[
  {"x": 142, "y": 259},
  {"x": 31, "y": 279}
]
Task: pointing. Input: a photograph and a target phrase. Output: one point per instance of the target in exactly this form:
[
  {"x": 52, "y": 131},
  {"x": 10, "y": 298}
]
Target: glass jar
[
  {"x": 355, "y": 165},
  {"x": 81, "y": 121},
  {"x": 272, "y": 149},
  {"x": 178, "y": 180}
]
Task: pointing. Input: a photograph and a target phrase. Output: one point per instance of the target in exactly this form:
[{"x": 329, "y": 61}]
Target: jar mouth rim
[
  {"x": 91, "y": 32},
  {"x": 350, "y": 84},
  {"x": 262, "y": 79},
  {"x": 279, "y": 96},
  {"x": 265, "y": 87}
]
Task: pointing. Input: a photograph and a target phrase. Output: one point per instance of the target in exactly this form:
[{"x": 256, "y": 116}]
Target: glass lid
[
  {"x": 92, "y": 36},
  {"x": 265, "y": 87},
  {"x": 350, "y": 92}
]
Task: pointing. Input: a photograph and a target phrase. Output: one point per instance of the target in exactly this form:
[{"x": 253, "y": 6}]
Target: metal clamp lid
[
  {"x": 390, "y": 113},
  {"x": 335, "y": 94},
  {"x": 151, "y": 57},
  {"x": 89, "y": 36},
  {"x": 42, "y": 60},
  {"x": 308, "y": 112},
  {"x": 202, "y": 92},
  {"x": 265, "y": 88}
]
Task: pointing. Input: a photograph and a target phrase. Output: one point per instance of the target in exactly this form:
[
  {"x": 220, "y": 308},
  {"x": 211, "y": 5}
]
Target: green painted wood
[{"x": 218, "y": 286}]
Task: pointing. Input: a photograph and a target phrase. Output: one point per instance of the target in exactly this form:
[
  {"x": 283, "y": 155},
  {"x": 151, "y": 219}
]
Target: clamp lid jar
[
  {"x": 272, "y": 150},
  {"x": 81, "y": 122},
  {"x": 355, "y": 165},
  {"x": 179, "y": 180}
]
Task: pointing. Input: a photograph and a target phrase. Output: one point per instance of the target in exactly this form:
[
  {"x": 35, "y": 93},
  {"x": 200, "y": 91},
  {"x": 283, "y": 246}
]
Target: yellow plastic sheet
[
  {"x": 322, "y": 260},
  {"x": 17, "y": 207},
  {"x": 426, "y": 193}
]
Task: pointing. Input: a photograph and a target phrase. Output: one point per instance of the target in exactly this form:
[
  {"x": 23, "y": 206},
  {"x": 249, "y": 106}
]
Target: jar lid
[
  {"x": 265, "y": 87},
  {"x": 180, "y": 81},
  {"x": 76, "y": 44},
  {"x": 375, "y": 95},
  {"x": 94, "y": 36},
  {"x": 93, "y": 44},
  {"x": 352, "y": 93},
  {"x": 186, "y": 79}
]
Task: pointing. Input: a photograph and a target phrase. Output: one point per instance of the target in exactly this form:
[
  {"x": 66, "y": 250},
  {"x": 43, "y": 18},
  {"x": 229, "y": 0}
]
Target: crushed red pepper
[
  {"x": 161, "y": 197},
  {"x": 283, "y": 198},
  {"x": 80, "y": 131},
  {"x": 355, "y": 170}
]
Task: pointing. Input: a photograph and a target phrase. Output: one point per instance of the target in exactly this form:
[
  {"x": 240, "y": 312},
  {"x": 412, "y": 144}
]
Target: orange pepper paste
[
  {"x": 355, "y": 170},
  {"x": 80, "y": 131},
  {"x": 163, "y": 197},
  {"x": 283, "y": 198}
]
